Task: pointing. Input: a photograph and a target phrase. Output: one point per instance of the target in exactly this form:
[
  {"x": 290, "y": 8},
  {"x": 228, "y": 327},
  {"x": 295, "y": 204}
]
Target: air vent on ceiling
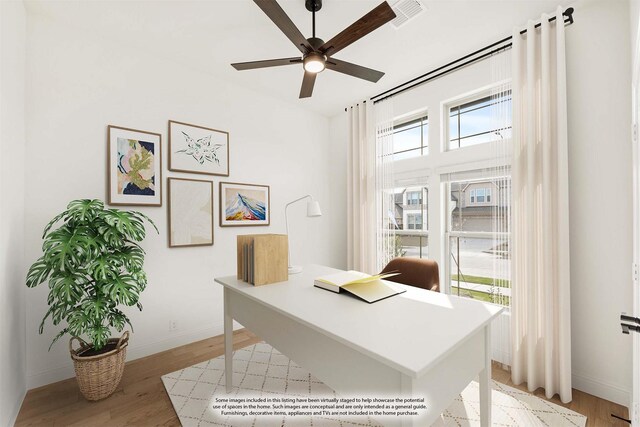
[{"x": 406, "y": 10}]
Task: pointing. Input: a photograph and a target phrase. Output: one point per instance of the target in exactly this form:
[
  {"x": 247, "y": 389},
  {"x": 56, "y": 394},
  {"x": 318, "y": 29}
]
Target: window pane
[
  {"x": 475, "y": 122},
  {"x": 407, "y": 139},
  {"x": 480, "y": 269},
  {"x": 410, "y": 139}
]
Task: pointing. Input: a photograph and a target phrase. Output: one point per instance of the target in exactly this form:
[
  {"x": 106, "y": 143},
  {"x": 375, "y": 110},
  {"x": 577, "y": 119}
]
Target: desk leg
[
  {"x": 228, "y": 341},
  {"x": 407, "y": 390},
  {"x": 485, "y": 381}
]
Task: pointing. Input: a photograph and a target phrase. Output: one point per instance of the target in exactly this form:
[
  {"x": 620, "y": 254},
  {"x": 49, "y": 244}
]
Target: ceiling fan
[{"x": 316, "y": 53}]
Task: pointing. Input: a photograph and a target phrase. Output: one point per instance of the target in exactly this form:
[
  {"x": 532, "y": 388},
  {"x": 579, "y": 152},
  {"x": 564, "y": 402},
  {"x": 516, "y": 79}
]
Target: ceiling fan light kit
[
  {"x": 316, "y": 53},
  {"x": 314, "y": 62}
]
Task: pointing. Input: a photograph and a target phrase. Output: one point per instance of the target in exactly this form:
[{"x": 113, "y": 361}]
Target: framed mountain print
[
  {"x": 198, "y": 149},
  {"x": 244, "y": 204},
  {"x": 190, "y": 212},
  {"x": 134, "y": 167}
]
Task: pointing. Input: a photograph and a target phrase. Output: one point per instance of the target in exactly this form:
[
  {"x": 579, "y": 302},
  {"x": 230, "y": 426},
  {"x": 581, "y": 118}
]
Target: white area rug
[{"x": 261, "y": 371}]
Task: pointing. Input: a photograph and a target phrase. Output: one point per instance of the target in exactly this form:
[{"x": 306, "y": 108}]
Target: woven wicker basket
[{"x": 98, "y": 376}]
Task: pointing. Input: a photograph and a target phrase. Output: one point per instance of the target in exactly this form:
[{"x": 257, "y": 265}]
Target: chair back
[{"x": 418, "y": 272}]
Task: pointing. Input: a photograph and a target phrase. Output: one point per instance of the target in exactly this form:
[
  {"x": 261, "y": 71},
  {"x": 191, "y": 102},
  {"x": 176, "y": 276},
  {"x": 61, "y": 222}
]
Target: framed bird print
[
  {"x": 198, "y": 149},
  {"x": 134, "y": 167}
]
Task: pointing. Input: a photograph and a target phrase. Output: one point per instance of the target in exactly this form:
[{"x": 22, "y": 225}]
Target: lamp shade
[{"x": 313, "y": 209}]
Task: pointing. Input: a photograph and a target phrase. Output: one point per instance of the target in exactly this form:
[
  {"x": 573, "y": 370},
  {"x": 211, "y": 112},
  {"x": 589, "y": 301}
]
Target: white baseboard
[
  {"x": 134, "y": 352},
  {"x": 601, "y": 389}
]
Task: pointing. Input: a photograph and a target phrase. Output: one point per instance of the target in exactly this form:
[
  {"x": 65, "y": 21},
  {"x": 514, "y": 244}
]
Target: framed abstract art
[
  {"x": 244, "y": 204},
  {"x": 197, "y": 149},
  {"x": 134, "y": 167},
  {"x": 190, "y": 212}
]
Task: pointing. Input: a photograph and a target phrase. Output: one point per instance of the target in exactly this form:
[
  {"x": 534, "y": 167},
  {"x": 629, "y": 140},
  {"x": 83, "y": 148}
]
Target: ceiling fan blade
[
  {"x": 264, "y": 64},
  {"x": 273, "y": 10},
  {"x": 363, "y": 26},
  {"x": 307, "y": 84},
  {"x": 354, "y": 70}
]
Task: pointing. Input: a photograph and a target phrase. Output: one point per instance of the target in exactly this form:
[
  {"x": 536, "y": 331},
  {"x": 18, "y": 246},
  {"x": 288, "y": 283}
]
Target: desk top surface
[{"x": 410, "y": 332}]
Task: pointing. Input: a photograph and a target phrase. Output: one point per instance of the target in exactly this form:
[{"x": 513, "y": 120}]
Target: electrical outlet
[{"x": 173, "y": 325}]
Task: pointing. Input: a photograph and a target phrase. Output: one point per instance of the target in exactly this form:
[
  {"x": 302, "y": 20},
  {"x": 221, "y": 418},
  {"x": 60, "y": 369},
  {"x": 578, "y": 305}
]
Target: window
[
  {"x": 473, "y": 123},
  {"x": 414, "y": 197},
  {"x": 479, "y": 239},
  {"x": 410, "y": 139},
  {"x": 480, "y": 195},
  {"x": 414, "y": 221}
]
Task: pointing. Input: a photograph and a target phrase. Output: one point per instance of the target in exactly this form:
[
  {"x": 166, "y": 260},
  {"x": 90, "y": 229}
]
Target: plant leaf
[
  {"x": 132, "y": 257},
  {"x": 123, "y": 290},
  {"x": 67, "y": 288},
  {"x": 38, "y": 272},
  {"x": 57, "y": 337},
  {"x": 52, "y": 222},
  {"x": 126, "y": 223},
  {"x": 84, "y": 210},
  {"x": 105, "y": 267}
]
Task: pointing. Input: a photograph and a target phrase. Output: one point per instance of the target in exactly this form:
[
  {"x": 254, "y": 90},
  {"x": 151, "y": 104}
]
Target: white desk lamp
[{"x": 313, "y": 210}]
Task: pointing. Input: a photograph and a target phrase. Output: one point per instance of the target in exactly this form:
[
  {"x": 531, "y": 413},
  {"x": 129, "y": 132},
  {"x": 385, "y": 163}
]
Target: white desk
[{"x": 419, "y": 343}]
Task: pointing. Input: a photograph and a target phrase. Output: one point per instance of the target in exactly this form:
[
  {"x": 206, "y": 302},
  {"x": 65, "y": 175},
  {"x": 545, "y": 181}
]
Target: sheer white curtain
[
  {"x": 369, "y": 169},
  {"x": 540, "y": 306}
]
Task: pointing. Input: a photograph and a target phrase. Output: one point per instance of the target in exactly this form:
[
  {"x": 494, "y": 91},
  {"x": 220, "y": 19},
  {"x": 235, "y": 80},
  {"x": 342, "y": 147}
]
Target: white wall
[
  {"x": 12, "y": 273},
  {"x": 78, "y": 85},
  {"x": 599, "y": 100},
  {"x": 600, "y": 186},
  {"x": 338, "y": 147}
]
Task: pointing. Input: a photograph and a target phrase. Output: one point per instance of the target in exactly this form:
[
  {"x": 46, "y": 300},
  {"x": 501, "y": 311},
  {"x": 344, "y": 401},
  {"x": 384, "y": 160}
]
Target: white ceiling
[{"x": 209, "y": 35}]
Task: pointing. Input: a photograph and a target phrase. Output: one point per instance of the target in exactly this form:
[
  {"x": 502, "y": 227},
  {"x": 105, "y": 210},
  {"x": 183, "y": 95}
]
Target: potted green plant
[{"x": 93, "y": 264}]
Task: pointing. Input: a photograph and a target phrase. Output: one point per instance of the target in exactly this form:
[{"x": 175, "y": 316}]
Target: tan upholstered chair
[{"x": 418, "y": 272}]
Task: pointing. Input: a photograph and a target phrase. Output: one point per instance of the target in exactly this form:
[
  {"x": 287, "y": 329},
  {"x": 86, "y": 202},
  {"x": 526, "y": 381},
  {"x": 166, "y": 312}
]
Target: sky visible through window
[
  {"x": 478, "y": 122},
  {"x": 410, "y": 139}
]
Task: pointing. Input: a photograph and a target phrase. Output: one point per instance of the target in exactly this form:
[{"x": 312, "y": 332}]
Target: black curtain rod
[{"x": 461, "y": 62}]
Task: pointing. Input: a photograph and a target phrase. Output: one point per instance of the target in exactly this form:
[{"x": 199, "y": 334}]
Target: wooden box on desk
[{"x": 270, "y": 257}]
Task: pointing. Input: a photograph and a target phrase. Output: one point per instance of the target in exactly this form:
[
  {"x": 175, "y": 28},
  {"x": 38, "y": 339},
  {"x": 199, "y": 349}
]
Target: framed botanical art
[
  {"x": 197, "y": 149},
  {"x": 190, "y": 212},
  {"x": 244, "y": 204},
  {"x": 134, "y": 167}
]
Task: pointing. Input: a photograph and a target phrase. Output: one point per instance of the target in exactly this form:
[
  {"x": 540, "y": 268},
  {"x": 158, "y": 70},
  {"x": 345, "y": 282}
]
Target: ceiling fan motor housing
[
  {"x": 315, "y": 42},
  {"x": 313, "y": 5}
]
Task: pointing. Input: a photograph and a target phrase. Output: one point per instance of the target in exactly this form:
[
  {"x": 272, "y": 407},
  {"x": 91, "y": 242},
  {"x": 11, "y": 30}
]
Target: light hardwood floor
[{"x": 141, "y": 399}]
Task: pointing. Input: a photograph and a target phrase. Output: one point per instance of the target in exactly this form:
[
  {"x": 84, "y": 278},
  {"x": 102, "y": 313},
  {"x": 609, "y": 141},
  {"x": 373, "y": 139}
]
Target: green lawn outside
[
  {"x": 481, "y": 296},
  {"x": 502, "y": 283}
]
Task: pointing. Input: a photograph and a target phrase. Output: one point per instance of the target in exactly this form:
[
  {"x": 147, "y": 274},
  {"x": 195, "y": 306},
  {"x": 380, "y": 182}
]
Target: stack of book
[{"x": 262, "y": 258}]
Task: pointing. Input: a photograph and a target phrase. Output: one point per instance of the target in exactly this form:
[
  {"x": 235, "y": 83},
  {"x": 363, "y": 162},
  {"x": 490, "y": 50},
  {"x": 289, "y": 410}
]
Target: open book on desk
[{"x": 364, "y": 286}]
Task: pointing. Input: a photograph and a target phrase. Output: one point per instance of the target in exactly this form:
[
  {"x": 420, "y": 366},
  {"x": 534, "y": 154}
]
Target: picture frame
[
  {"x": 198, "y": 149},
  {"x": 134, "y": 167},
  {"x": 243, "y": 205},
  {"x": 189, "y": 212}
]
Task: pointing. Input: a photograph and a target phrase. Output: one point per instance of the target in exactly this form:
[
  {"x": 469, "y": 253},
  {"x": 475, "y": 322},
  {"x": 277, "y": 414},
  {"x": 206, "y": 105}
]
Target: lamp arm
[
  {"x": 286, "y": 222},
  {"x": 308, "y": 196}
]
